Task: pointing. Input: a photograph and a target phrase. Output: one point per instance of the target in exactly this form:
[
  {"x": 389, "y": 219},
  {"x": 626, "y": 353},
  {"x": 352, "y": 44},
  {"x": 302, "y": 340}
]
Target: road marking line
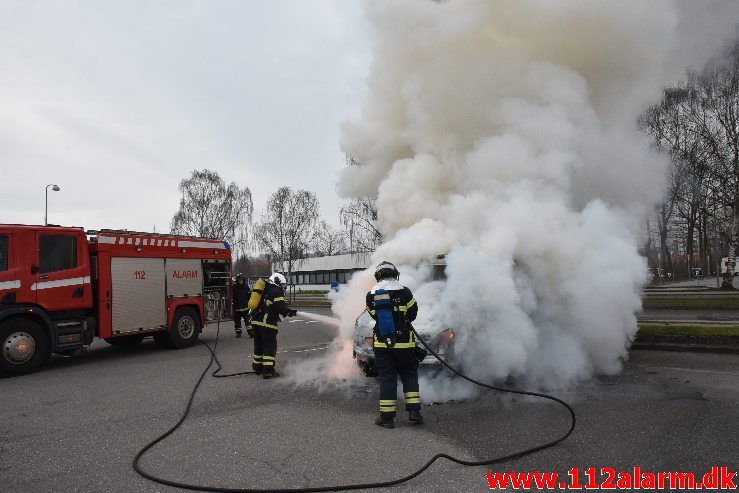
[{"x": 328, "y": 346}]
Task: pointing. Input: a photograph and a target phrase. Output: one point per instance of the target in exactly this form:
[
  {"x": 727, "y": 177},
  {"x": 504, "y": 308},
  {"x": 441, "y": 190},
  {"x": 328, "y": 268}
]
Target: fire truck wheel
[
  {"x": 185, "y": 328},
  {"x": 25, "y": 347},
  {"x": 131, "y": 340}
]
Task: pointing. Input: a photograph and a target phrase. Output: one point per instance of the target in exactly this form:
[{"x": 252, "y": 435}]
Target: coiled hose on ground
[{"x": 344, "y": 487}]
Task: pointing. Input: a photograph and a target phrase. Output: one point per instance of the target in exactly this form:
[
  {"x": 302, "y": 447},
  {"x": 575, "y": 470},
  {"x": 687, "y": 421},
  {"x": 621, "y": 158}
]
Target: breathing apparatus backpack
[
  {"x": 385, "y": 326},
  {"x": 257, "y": 294}
]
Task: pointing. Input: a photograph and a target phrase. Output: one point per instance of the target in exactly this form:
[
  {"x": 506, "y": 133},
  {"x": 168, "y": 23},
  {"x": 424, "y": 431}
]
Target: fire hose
[{"x": 357, "y": 486}]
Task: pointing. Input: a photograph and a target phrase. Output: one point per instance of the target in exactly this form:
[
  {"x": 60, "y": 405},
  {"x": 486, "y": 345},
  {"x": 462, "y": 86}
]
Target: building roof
[{"x": 349, "y": 261}]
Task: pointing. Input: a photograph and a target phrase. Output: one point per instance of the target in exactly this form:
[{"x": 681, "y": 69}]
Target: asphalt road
[{"x": 77, "y": 424}]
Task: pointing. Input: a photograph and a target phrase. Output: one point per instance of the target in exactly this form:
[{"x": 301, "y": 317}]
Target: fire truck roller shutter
[
  {"x": 184, "y": 277},
  {"x": 138, "y": 293}
]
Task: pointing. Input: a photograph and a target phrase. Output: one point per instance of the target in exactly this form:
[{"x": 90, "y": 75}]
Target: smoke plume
[{"x": 503, "y": 135}]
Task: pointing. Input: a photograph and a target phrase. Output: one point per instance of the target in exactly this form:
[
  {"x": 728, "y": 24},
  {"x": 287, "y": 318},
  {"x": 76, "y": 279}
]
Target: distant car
[{"x": 440, "y": 340}]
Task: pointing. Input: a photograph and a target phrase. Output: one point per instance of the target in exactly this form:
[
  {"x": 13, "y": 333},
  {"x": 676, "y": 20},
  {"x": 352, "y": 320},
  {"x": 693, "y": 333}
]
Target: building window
[{"x": 57, "y": 252}]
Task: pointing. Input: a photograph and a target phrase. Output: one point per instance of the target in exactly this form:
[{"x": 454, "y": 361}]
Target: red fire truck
[{"x": 60, "y": 287}]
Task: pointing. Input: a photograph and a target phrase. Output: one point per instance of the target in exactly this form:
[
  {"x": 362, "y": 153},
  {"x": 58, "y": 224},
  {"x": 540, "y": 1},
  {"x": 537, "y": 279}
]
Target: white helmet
[
  {"x": 278, "y": 279},
  {"x": 386, "y": 270}
]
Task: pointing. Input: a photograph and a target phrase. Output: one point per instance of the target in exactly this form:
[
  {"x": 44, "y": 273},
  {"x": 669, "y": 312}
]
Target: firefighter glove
[{"x": 420, "y": 354}]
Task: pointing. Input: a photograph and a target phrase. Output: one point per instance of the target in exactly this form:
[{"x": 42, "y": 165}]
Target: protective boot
[
  {"x": 238, "y": 333},
  {"x": 267, "y": 376},
  {"x": 250, "y": 331},
  {"x": 385, "y": 422},
  {"x": 415, "y": 417}
]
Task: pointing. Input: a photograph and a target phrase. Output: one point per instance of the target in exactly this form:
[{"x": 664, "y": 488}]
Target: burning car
[{"x": 440, "y": 340}]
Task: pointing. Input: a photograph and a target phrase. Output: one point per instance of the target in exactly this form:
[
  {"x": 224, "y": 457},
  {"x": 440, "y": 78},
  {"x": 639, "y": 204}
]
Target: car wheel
[
  {"x": 25, "y": 347},
  {"x": 184, "y": 331},
  {"x": 131, "y": 340}
]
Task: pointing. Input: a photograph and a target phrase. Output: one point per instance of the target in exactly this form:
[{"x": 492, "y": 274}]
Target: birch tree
[
  {"x": 286, "y": 225},
  {"x": 328, "y": 240},
  {"x": 209, "y": 208}
]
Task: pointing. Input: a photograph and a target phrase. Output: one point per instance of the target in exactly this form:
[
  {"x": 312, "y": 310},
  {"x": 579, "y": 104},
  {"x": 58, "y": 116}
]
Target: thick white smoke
[{"x": 503, "y": 134}]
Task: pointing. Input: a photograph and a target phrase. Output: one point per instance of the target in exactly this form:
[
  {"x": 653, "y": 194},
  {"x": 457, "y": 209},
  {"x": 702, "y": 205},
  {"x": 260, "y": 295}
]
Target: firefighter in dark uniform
[
  {"x": 393, "y": 306},
  {"x": 264, "y": 320},
  {"x": 240, "y": 305}
]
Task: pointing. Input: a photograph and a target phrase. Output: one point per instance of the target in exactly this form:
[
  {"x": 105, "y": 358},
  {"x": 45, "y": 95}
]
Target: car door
[
  {"x": 62, "y": 277},
  {"x": 9, "y": 280}
]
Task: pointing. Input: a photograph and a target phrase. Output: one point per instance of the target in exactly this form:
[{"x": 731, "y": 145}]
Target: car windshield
[{"x": 364, "y": 324}]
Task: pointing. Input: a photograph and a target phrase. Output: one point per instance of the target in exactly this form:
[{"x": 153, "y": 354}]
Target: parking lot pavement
[{"x": 77, "y": 424}]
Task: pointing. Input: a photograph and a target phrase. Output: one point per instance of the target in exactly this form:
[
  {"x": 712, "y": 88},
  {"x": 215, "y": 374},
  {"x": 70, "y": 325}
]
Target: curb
[{"x": 685, "y": 348}]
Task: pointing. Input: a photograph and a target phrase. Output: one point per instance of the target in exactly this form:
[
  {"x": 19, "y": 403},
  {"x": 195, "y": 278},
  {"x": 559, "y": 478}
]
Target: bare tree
[
  {"x": 660, "y": 122},
  {"x": 359, "y": 218},
  {"x": 717, "y": 122},
  {"x": 286, "y": 225},
  {"x": 697, "y": 123},
  {"x": 210, "y": 209},
  {"x": 327, "y": 240},
  {"x": 252, "y": 266}
]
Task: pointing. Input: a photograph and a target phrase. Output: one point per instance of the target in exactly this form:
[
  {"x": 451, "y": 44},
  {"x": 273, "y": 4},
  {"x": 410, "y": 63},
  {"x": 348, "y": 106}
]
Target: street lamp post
[{"x": 46, "y": 208}]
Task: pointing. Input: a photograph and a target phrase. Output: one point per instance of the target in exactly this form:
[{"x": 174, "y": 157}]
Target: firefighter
[
  {"x": 393, "y": 307},
  {"x": 264, "y": 320},
  {"x": 240, "y": 305}
]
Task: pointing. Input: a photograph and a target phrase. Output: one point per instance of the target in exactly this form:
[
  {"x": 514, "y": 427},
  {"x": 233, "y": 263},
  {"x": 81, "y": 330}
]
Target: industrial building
[{"x": 317, "y": 273}]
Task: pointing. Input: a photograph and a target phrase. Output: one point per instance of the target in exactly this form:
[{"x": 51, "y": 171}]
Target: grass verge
[{"x": 677, "y": 330}]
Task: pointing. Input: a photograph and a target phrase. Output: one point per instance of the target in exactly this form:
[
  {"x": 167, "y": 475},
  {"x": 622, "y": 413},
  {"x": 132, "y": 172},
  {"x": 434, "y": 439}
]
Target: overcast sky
[{"x": 117, "y": 101}]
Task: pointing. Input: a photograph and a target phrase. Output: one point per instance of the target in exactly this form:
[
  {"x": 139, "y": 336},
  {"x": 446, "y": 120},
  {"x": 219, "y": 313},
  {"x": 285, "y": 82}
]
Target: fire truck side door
[
  {"x": 139, "y": 300},
  {"x": 10, "y": 281},
  {"x": 62, "y": 271}
]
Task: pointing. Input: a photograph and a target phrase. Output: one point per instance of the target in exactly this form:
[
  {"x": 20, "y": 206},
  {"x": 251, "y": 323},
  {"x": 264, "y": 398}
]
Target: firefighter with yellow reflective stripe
[
  {"x": 264, "y": 320},
  {"x": 393, "y": 307},
  {"x": 240, "y": 305}
]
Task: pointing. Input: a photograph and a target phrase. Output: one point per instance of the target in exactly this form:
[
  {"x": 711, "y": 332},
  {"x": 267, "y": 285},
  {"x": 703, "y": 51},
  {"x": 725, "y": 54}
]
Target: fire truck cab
[{"x": 60, "y": 287}]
